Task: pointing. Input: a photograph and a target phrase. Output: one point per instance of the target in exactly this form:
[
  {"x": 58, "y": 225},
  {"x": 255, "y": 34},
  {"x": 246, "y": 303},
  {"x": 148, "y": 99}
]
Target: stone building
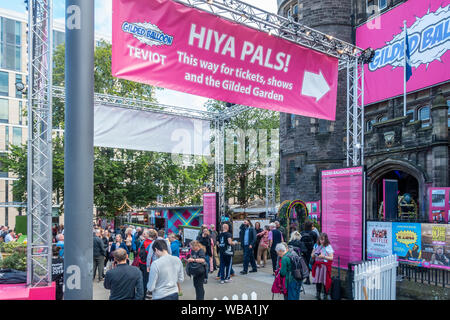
[{"x": 412, "y": 149}]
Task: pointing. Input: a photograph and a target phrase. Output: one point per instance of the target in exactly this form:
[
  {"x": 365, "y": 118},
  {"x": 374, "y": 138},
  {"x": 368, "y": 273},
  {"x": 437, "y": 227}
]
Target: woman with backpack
[
  {"x": 196, "y": 268},
  {"x": 292, "y": 285}
]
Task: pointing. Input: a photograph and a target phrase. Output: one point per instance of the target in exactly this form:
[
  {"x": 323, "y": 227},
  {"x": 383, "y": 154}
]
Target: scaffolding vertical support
[
  {"x": 219, "y": 157},
  {"x": 355, "y": 113},
  {"x": 39, "y": 171},
  {"x": 270, "y": 189}
]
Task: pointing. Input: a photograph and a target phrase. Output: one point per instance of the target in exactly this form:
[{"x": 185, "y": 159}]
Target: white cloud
[{"x": 103, "y": 17}]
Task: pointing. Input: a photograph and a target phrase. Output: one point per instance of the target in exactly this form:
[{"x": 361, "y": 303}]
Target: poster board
[
  {"x": 210, "y": 208},
  {"x": 407, "y": 243},
  {"x": 189, "y": 234},
  {"x": 314, "y": 211},
  {"x": 237, "y": 224},
  {"x": 436, "y": 246},
  {"x": 379, "y": 239},
  {"x": 342, "y": 213},
  {"x": 439, "y": 207}
]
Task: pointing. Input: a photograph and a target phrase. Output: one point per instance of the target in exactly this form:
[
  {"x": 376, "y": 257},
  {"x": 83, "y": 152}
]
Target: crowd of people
[
  {"x": 138, "y": 263},
  {"x": 8, "y": 235}
]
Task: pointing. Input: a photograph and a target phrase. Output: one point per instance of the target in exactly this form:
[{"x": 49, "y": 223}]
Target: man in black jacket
[
  {"x": 124, "y": 281},
  {"x": 247, "y": 236},
  {"x": 99, "y": 255}
]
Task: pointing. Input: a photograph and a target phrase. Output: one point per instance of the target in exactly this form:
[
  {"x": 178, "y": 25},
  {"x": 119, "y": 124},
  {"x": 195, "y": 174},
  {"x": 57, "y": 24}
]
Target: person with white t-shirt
[{"x": 321, "y": 271}]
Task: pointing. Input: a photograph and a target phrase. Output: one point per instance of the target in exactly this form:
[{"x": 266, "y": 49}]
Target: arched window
[
  {"x": 382, "y": 118},
  {"x": 410, "y": 115},
  {"x": 424, "y": 116},
  {"x": 291, "y": 173},
  {"x": 369, "y": 124},
  {"x": 448, "y": 104}
]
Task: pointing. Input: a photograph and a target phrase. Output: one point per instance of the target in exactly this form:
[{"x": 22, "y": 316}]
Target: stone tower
[{"x": 307, "y": 145}]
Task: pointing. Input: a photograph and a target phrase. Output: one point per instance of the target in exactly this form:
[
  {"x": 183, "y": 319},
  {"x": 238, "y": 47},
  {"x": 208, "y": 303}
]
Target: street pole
[{"x": 79, "y": 150}]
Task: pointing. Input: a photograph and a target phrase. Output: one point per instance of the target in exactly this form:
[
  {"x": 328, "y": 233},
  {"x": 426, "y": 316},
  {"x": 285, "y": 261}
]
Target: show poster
[
  {"x": 427, "y": 23},
  {"x": 171, "y": 45},
  {"x": 407, "y": 241},
  {"x": 436, "y": 246},
  {"x": 342, "y": 213},
  {"x": 314, "y": 211},
  {"x": 379, "y": 239},
  {"x": 439, "y": 204},
  {"x": 210, "y": 208}
]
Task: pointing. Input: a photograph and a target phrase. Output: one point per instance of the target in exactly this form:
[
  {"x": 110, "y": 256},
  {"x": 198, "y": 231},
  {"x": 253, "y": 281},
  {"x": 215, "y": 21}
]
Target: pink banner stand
[{"x": 22, "y": 292}]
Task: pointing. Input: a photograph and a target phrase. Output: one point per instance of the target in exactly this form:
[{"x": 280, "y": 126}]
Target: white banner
[
  {"x": 237, "y": 224},
  {"x": 117, "y": 127}
]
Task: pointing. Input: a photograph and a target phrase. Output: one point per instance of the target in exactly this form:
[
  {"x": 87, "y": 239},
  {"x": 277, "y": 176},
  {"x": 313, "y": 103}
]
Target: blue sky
[{"x": 103, "y": 21}]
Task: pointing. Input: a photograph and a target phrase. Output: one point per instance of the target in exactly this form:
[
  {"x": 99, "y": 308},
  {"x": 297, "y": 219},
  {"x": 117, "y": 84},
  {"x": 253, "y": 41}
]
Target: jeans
[
  {"x": 274, "y": 257},
  {"x": 207, "y": 265},
  {"x": 225, "y": 267},
  {"x": 99, "y": 264},
  {"x": 248, "y": 257},
  {"x": 199, "y": 289},
  {"x": 144, "y": 272},
  {"x": 293, "y": 290},
  {"x": 173, "y": 296}
]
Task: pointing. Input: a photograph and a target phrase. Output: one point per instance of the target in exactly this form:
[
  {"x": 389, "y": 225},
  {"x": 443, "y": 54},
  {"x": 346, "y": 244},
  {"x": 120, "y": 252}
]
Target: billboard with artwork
[{"x": 428, "y": 29}]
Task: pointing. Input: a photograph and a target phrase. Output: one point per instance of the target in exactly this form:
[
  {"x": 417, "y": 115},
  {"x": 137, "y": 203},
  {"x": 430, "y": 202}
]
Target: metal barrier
[
  {"x": 431, "y": 276},
  {"x": 253, "y": 296},
  {"x": 376, "y": 279}
]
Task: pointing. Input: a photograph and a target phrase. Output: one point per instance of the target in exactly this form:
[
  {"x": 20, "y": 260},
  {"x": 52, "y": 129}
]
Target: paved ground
[{"x": 259, "y": 282}]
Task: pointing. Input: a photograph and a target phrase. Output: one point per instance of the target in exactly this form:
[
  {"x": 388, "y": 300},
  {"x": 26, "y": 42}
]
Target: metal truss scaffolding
[
  {"x": 355, "y": 113},
  {"x": 270, "y": 188},
  {"x": 39, "y": 186},
  {"x": 40, "y": 100}
]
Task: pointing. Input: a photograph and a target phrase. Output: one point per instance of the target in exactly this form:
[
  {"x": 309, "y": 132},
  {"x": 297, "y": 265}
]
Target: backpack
[
  {"x": 299, "y": 269},
  {"x": 308, "y": 240},
  {"x": 142, "y": 254}
]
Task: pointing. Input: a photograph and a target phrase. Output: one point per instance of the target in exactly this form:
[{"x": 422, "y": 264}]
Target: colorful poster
[
  {"x": 379, "y": 239},
  {"x": 210, "y": 208},
  {"x": 406, "y": 242},
  {"x": 342, "y": 212},
  {"x": 314, "y": 211},
  {"x": 171, "y": 45},
  {"x": 436, "y": 246},
  {"x": 427, "y": 23},
  {"x": 439, "y": 208}
]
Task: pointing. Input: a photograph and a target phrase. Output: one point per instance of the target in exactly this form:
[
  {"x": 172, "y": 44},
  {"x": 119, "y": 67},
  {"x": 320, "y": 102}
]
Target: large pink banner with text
[
  {"x": 342, "y": 213},
  {"x": 210, "y": 208},
  {"x": 170, "y": 45},
  {"x": 428, "y": 25}
]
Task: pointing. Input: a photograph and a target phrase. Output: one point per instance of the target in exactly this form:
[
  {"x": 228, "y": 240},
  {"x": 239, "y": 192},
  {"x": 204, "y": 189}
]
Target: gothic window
[
  {"x": 448, "y": 112},
  {"x": 410, "y": 115},
  {"x": 291, "y": 173},
  {"x": 424, "y": 116},
  {"x": 382, "y": 118},
  {"x": 369, "y": 124}
]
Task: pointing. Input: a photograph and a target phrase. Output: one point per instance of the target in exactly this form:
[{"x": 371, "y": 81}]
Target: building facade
[
  {"x": 13, "y": 104},
  {"x": 412, "y": 149}
]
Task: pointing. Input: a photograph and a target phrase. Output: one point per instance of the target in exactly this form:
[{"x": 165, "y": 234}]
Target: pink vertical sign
[
  {"x": 342, "y": 213},
  {"x": 209, "y": 208}
]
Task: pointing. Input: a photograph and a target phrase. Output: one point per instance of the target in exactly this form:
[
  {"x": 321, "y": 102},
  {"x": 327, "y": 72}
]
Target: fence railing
[
  {"x": 431, "y": 276},
  {"x": 253, "y": 296},
  {"x": 376, "y": 279}
]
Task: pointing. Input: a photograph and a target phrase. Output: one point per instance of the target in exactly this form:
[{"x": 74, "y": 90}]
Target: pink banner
[
  {"x": 209, "y": 208},
  {"x": 170, "y": 45},
  {"x": 342, "y": 213},
  {"x": 428, "y": 28}
]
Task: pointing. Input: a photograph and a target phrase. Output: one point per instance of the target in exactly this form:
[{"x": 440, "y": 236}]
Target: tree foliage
[{"x": 134, "y": 177}]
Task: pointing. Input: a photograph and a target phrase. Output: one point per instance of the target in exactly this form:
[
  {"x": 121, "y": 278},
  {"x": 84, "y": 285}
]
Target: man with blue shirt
[
  {"x": 247, "y": 235},
  {"x": 60, "y": 244}
]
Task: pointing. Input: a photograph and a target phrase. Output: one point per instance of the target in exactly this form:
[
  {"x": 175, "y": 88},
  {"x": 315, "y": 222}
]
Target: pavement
[{"x": 259, "y": 282}]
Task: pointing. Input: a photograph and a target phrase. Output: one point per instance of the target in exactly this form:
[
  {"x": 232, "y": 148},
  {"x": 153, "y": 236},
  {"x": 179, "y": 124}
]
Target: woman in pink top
[{"x": 263, "y": 246}]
